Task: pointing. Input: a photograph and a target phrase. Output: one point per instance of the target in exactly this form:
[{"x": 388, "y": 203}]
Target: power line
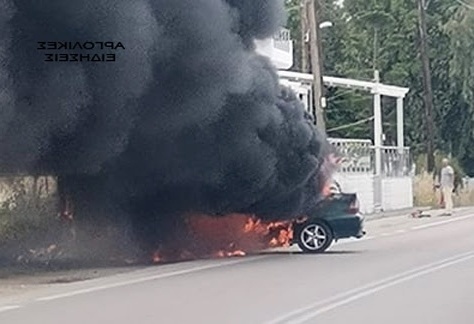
[
  {"x": 341, "y": 94},
  {"x": 351, "y": 124},
  {"x": 465, "y": 5}
]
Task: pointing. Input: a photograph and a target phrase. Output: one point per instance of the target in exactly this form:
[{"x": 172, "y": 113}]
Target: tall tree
[
  {"x": 459, "y": 130},
  {"x": 427, "y": 86}
]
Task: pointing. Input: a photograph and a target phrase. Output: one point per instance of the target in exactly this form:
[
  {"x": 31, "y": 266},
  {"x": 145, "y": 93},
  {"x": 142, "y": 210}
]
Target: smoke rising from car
[{"x": 187, "y": 119}]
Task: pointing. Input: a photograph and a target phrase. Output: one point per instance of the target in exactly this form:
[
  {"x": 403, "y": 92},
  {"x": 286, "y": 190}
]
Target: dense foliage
[{"x": 383, "y": 35}]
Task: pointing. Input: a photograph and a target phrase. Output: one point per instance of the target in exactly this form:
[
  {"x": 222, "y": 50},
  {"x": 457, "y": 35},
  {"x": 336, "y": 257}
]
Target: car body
[{"x": 335, "y": 217}]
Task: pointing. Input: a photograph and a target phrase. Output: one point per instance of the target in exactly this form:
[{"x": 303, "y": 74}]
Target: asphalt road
[{"x": 406, "y": 271}]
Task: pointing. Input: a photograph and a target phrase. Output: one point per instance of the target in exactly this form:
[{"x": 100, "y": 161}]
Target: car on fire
[{"x": 335, "y": 217}]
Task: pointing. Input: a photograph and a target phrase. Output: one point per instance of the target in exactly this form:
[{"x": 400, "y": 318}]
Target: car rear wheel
[{"x": 315, "y": 237}]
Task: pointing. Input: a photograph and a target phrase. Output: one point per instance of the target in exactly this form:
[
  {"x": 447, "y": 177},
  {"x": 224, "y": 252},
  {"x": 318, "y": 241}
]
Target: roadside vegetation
[
  {"x": 424, "y": 185},
  {"x": 28, "y": 214}
]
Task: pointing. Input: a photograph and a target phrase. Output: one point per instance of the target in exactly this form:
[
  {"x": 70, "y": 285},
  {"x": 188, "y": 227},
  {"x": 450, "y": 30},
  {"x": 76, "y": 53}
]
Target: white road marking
[
  {"x": 401, "y": 231},
  {"x": 355, "y": 240},
  {"x": 197, "y": 269},
  {"x": 454, "y": 219},
  {"x": 8, "y": 308},
  {"x": 305, "y": 313},
  {"x": 374, "y": 290},
  {"x": 145, "y": 279}
]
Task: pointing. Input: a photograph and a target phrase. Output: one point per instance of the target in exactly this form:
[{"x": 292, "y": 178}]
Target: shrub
[
  {"x": 426, "y": 195},
  {"x": 25, "y": 214}
]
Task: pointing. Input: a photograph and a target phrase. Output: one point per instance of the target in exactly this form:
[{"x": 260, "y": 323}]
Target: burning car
[{"x": 335, "y": 217}]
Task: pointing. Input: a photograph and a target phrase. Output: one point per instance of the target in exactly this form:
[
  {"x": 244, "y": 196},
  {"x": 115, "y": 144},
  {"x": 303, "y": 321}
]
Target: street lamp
[
  {"x": 325, "y": 24},
  {"x": 310, "y": 29}
]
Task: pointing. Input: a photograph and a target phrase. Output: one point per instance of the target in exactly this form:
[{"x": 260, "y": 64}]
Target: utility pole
[
  {"x": 378, "y": 133},
  {"x": 316, "y": 63},
  {"x": 304, "y": 36},
  {"x": 427, "y": 90}
]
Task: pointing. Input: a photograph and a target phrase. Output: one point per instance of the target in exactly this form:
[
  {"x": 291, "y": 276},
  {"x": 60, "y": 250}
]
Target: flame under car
[{"x": 336, "y": 217}]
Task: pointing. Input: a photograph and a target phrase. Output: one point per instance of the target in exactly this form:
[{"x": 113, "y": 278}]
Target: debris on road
[{"x": 419, "y": 214}]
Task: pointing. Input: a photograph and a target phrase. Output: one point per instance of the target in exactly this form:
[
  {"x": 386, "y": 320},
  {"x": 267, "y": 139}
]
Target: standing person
[{"x": 447, "y": 186}]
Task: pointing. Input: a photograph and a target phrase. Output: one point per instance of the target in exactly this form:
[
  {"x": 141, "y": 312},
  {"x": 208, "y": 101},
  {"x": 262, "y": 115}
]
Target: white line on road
[
  {"x": 374, "y": 290},
  {"x": 354, "y": 240},
  {"x": 145, "y": 279},
  {"x": 303, "y": 314},
  {"x": 8, "y": 308},
  {"x": 454, "y": 219},
  {"x": 223, "y": 264},
  {"x": 407, "y": 230}
]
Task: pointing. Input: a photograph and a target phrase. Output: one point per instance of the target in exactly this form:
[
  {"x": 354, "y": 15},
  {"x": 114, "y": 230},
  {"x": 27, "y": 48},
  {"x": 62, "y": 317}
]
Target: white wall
[
  {"x": 397, "y": 193},
  {"x": 282, "y": 60},
  {"x": 360, "y": 183},
  {"x": 279, "y": 49}
]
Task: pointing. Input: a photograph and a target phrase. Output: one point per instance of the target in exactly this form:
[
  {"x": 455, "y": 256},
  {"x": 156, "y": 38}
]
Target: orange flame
[
  {"x": 229, "y": 236},
  {"x": 326, "y": 191},
  {"x": 157, "y": 258},
  {"x": 239, "y": 234}
]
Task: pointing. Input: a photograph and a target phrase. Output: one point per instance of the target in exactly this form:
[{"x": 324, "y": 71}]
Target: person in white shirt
[{"x": 447, "y": 186}]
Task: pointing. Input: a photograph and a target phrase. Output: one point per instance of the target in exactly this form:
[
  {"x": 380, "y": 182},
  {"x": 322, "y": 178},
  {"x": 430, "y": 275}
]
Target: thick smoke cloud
[
  {"x": 7, "y": 97},
  {"x": 188, "y": 118},
  {"x": 257, "y": 20}
]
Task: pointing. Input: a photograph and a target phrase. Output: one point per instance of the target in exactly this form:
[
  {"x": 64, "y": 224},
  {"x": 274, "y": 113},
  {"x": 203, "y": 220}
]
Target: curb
[
  {"x": 407, "y": 211},
  {"x": 395, "y": 213}
]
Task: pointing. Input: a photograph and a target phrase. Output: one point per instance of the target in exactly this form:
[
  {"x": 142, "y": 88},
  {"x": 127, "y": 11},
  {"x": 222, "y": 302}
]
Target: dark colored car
[{"x": 334, "y": 218}]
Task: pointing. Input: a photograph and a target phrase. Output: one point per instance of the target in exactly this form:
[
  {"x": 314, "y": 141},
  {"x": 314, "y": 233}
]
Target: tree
[
  {"x": 384, "y": 34},
  {"x": 427, "y": 86}
]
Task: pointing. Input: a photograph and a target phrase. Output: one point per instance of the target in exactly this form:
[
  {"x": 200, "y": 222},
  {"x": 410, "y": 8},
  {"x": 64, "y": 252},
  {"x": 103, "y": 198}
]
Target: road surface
[{"x": 406, "y": 271}]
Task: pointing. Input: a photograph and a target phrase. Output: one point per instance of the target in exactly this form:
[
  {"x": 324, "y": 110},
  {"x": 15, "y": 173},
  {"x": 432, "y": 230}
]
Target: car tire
[{"x": 315, "y": 237}]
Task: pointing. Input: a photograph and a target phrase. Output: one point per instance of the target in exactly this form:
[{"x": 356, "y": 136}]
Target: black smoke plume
[{"x": 188, "y": 118}]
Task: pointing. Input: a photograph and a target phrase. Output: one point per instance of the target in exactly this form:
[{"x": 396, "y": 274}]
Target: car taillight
[{"x": 354, "y": 206}]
